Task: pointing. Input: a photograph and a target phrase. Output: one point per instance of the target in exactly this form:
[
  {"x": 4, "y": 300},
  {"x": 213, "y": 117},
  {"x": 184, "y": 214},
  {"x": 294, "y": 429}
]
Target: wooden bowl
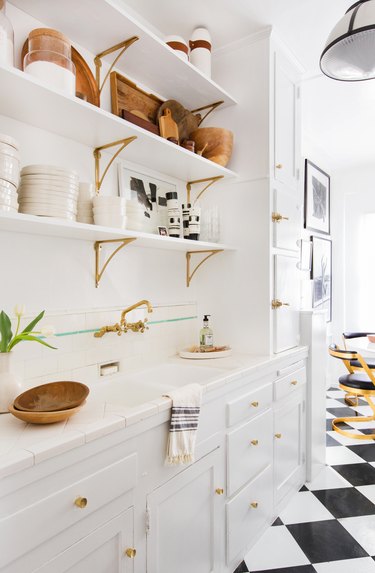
[
  {"x": 43, "y": 417},
  {"x": 216, "y": 142},
  {"x": 52, "y": 397}
]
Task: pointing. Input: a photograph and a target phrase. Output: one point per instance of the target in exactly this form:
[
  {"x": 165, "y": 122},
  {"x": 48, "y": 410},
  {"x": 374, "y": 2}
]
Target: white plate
[
  {"x": 65, "y": 206},
  {"x": 204, "y": 355},
  {"x": 57, "y": 181},
  {"x": 44, "y": 194},
  {"x": 48, "y": 170},
  {"x": 47, "y": 211}
]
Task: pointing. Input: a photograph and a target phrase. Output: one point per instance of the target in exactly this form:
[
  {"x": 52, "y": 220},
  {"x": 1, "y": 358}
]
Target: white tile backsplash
[{"x": 79, "y": 353}]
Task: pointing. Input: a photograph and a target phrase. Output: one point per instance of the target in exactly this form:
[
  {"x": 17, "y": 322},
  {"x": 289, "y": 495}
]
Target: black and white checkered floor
[{"x": 329, "y": 525}]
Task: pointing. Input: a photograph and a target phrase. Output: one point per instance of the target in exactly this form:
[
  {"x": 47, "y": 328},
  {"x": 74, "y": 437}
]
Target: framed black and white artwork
[
  {"x": 317, "y": 199},
  {"x": 321, "y": 274}
]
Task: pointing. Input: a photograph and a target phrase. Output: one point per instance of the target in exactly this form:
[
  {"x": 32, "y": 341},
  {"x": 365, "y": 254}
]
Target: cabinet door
[
  {"x": 286, "y": 320},
  {"x": 103, "y": 551},
  {"x": 287, "y": 231},
  {"x": 286, "y": 136},
  {"x": 184, "y": 521},
  {"x": 289, "y": 442}
]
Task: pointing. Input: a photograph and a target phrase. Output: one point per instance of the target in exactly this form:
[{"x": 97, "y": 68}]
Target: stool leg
[{"x": 348, "y": 434}]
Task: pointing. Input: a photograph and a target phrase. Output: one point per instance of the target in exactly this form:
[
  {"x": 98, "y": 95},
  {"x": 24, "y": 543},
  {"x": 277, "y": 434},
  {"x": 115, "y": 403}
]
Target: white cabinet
[
  {"x": 184, "y": 521},
  {"x": 286, "y": 319},
  {"x": 108, "y": 549}
]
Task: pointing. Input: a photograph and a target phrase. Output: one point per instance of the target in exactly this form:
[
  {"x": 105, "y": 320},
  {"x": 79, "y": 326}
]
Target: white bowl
[
  {"x": 9, "y": 140},
  {"x": 66, "y": 205},
  {"x": 86, "y": 191},
  {"x": 9, "y": 150},
  {"x": 49, "y": 170},
  {"x": 104, "y": 201},
  {"x": 57, "y": 181},
  {"x": 9, "y": 169},
  {"x": 6, "y": 186},
  {"x": 37, "y": 193},
  {"x": 85, "y": 203},
  {"x": 115, "y": 210},
  {"x": 86, "y": 220},
  {"x": 9, "y": 201},
  {"x": 7, "y": 193},
  {"x": 118, "y": 221},
  {"x": 135, "y": 227},
  {"x": 8, "y": 209},
  {"x": 46, "y": 211}
]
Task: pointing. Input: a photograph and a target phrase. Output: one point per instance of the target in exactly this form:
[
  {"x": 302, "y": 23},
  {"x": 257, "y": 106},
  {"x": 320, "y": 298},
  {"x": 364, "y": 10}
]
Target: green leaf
[
  {"x": 5, "y": 331},
  {"x": 30, "y": 326},
  {"x": 22, "y": 336}
]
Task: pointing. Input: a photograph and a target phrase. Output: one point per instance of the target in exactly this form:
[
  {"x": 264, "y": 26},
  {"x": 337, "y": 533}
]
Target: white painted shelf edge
[{"x": 60, "y": 228}]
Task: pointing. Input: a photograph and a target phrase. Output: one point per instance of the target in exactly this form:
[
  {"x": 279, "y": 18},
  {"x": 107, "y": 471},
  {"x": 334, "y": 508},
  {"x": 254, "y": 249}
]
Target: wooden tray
[
  {"x": 140, "y": 121},
  {"x": 86, "y": 87},
  {"x": 204, "y": 355},
  {"x": 125, "y": 95}
]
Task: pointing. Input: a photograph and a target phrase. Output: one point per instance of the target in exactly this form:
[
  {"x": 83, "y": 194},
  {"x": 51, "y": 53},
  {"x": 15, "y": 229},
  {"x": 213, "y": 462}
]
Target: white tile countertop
[{"x": 23, "y": 445}]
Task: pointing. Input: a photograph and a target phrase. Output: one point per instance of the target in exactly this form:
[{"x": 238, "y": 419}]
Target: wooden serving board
[
  {"x": 168, "y": 127},
  {"x": 125, "y": 95}
]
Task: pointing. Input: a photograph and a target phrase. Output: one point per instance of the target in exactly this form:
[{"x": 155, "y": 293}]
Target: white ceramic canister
[
  {"x": 10, "y": 386},
  {"x": 178, "y": 44},
  {"x": 200, "y": 50}
]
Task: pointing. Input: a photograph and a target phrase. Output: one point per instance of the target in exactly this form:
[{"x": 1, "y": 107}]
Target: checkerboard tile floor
[{"x": 329, "y": 525}]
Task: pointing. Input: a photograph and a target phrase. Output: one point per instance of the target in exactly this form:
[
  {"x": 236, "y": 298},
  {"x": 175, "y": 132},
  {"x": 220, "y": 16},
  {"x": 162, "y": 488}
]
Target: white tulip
[
  {"x": 19, "y": 310},
  {"x": 47, "y": 330}
]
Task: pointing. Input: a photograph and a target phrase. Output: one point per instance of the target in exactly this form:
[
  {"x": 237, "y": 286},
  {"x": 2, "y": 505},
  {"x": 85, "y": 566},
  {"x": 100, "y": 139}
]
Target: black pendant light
[{"x": 349, "y": 53}]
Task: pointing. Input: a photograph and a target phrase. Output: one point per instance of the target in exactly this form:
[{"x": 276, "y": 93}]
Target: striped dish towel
[{"x": 186, "y": 405}]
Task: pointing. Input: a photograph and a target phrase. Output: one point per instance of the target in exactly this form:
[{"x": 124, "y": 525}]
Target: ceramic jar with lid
[
  {"x": 200, "y": 50},
  {"x": 6, "y": 37},
  {"x": 178, "y": 44}
]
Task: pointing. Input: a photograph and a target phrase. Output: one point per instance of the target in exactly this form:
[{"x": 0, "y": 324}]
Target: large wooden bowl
[
  {"x": 43, "y": 417},
  {"x": 52, "y": 397},
  {"x": 216, "y": 142}
]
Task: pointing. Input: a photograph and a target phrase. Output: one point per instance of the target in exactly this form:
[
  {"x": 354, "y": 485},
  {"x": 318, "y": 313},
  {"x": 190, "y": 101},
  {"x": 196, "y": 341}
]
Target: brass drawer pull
[
  {"x": 277, "y": 217},
  {"x": 294, "y": 382},
  {"x": 130, "y": 552},
  {"x": 278, "y": 436},
  {"x": 276, "y": 303},
  {"x": 254, "y": 442},
  {"x": 254, "y": 404},
  {"x": 219, "y": 491},
  {"x": 80, "y": 502},
  {"x": 279, "y": 165},
  {"x": 254, "y": 504}
]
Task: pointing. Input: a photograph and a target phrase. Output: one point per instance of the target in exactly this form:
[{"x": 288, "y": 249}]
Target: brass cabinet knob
[
  {"x": 276, "y": 303},
  {"x": 279, "y": 165},
  {"x": 254, "y": 442},
  {"x": 254, "y": 504},
  {"x": 130, "y": 552},
  {"x": 219, "y": 491},
  {"x": 254, "y": 404},
  {"x": 278, "y": 436},
  {"x": 294, "y": 382},
  {"x": 80, "y": 502},
  {"x": 277, "y": 218}
]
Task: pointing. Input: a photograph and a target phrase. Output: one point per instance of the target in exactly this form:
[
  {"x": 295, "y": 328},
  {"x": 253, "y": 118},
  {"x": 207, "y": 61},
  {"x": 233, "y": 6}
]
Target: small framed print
[
  {"x": 163, "y": 231},
  {"x": 317, "y": 199}
]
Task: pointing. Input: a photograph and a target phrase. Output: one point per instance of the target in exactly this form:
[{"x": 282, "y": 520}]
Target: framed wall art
[
  {"x": 321, "y": 274},
  {"x": 317, "y": 199}
]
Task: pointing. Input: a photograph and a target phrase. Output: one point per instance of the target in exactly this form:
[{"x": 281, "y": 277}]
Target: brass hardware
[
  {"x": 211, "y": 180},
  {"x": 80, "y": 502},
  {"x": 130, "y": 552},
  {"x": 97, "y": 155},
  {"x": 97, "y": 246},
  {"x": 98, "y": 59},
  {"x": 277, "y": 303},
  {"x": 254, "y": 404},
  {"x": 190, "y": 275},
  {"x": 278, "y": 436},
  {"x": 219, "y": 491},
  {"x": 254, "y": 442},
  {"x": 277, "y": 218},
  {"x": 210, "y": 108},
  {"x": 123, "y": 326},
  {"x": 279, "y": 165},
  {"x": 254, "y": 504},
  {"x": 294, "y": 382}
]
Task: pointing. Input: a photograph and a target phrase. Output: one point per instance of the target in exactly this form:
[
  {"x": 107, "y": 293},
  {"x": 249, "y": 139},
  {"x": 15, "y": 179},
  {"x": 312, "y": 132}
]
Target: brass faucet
[{"x": 123, "y": 326}]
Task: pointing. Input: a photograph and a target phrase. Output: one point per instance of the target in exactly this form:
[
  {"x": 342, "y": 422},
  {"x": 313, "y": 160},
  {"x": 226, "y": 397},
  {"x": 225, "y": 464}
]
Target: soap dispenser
[{"x": 206, "y": 338}]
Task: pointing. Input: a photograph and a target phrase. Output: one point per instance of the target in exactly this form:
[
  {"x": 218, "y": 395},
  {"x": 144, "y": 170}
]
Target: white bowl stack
[
  {"x": 84, "y": 206},
  {"x": 9, "y": 173},
  {"x": 110, "y": 211},
  {"x": 48, "y": 191},
  {"x": 137, "y": 220}
]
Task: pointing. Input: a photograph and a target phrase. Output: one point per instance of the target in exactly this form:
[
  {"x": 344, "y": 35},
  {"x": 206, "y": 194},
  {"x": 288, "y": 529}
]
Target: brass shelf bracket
[
  {"x": 98, "y": 59},
  {"x": 210, "y": 108},
  {"x": 97, "y": 155},
  {"x": 189, "y": 184},
  {"x": 98, "y": 247},
  {"x": 189, "y": 274}
]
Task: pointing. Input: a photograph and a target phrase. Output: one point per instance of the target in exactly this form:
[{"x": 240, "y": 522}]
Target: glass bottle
[{"x": 6, "y": 37}]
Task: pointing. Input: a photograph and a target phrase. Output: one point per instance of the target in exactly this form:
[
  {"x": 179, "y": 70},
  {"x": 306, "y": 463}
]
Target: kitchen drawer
[
  {"x": 53, "y": 514},
  {"x": 288, "y": 384},
  {"x": 249, "y": 405},
  {"x": 249, "y": 450},
  {"x": 248, "y": 513}
]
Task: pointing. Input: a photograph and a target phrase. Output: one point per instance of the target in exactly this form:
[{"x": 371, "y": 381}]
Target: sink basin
[{"x": 139, "y": 387}]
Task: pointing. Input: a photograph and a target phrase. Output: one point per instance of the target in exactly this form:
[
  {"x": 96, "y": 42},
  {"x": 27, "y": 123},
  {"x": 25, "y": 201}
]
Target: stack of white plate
[
  {"x": 84, "y": 206},
  {"x": 9, "y": 173},
  {"x": 110, "y": 211},
  {"x": 48, "y": 191},
  {"x": 135, "y": 212}
]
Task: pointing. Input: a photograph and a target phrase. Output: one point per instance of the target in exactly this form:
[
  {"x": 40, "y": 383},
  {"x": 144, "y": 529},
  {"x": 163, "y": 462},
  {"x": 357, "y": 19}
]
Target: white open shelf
[
  {"x": 51, "y": 227},
  {"x": 26, "y": 99},
  {"x": 100, "y": 24}
]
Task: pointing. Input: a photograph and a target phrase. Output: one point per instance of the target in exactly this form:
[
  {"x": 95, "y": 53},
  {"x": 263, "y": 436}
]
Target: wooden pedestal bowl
[{"x": 216, "y": 142}]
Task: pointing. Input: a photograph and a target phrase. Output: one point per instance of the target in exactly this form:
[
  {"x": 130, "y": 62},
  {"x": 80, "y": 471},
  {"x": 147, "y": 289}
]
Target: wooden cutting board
[{"x": 167, "y": 125}]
